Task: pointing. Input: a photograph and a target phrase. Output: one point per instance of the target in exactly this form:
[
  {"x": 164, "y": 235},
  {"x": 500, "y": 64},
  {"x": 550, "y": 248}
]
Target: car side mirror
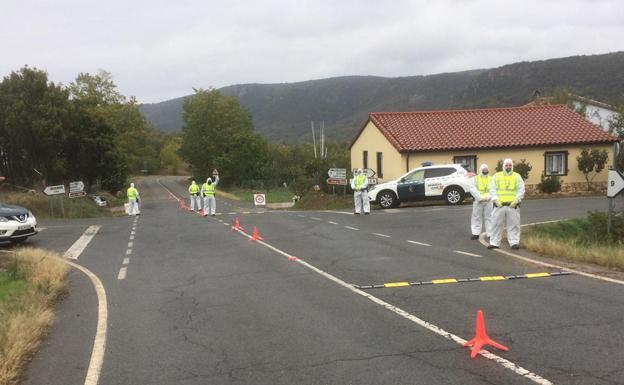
[{"x": 402, "y": 180}]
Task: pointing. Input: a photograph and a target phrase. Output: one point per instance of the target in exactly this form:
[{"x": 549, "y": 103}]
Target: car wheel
[
  {"x": 454, "y": 195},
  {"x": 387, "y": 200}
]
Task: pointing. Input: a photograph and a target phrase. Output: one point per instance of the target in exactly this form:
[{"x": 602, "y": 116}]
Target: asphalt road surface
[{"x": 191, "y": 302}]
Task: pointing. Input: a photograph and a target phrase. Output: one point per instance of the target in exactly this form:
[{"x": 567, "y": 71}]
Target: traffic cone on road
[
  {"x": 481, "y": 339},
  {"x": 201, "y": 212},
  {"x": 292, "y": 258},
  {"x": 181, "y": 203},
  {"x": 256, "y": 236},
  {"x": 237, "y": 225}
]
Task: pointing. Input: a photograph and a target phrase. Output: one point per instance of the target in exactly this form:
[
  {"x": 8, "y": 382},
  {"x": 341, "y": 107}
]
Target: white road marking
[
  {"x": 381, "y": 235},
  {"x": 122, "y": 273},
  {"x": 333, "y": 223},
  {"x": 131, "y": 237},
  {"x": 469, "y": 254},
  {"x": 130, "y": 244},
  {"x": 541, "y": 223},
  {"x": 419, "y": 243},
  {"x": 427, "y": 325},
  {"x": 40, "y": 229},
  {"x": 129, "y": 251},
  {"x": 133, "y": 232},
  {"x": 438, "y": 209},
  {"x": 78, "y": 247},
  {"x": 315, "y": 218},
  {"x": 169, "y": 191},
  {"x": 126, "y": 261},
  {"x": 351, "y": 228},
  {"x": 301, "y": 216}
]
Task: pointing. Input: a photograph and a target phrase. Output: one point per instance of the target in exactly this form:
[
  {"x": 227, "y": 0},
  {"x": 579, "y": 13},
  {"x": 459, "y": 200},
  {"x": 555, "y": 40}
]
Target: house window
[
  {"x": 379, "y": 164},
  {"x": 468, "y": 162},
  {"x": 365, "y": 159},
  {"x": 556, "y": 163}
]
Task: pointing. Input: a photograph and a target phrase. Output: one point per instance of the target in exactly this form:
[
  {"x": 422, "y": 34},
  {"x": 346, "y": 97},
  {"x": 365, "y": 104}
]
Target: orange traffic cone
[
  {"x": 481, "y": 339},
  {"x": 181, "y": 203},
  {"x": 237, "y": 225},
  {"x": 201, "y": 212},
  {"x": 292, "y": 258},
  {"x": 256, "y": 236}
]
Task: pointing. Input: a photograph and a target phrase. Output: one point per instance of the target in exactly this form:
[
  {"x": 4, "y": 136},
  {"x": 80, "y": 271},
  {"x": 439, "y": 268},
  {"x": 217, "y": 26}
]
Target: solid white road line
[
  {"x": 427, "y": 325},
  {"x": 469, "y": 254},
  {"x": 351, "y": 228},
  {"x": 381, "y": 235},
  {"x": 78, "y": 247},
  {"x": 419, "y": 243},
  {"x": 122, "y": 273},
  {"x": 126, "y": 261},
  {"x": 332, "y": 223},
  {"x": 169, "y": 191},
  {"x": 541, "y": 223}
]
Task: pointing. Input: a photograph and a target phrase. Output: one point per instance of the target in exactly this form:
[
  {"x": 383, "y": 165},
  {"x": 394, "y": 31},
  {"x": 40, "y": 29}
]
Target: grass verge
[
  {"x": 575, "y": 240},
  {"x": 31, "y": 281},
  {"x": 272, "y": 196},
  {"x": 322, "y": 201},
  {"x": 39, "y": 204}
]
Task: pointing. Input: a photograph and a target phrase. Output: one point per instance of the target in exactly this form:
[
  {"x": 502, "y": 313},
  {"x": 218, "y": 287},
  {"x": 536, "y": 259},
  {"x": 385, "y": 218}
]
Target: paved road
[{"x": 200, "y": 304}]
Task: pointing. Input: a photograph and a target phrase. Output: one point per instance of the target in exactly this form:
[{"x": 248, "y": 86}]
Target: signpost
[
  {"x": 368, "y": 171},
  {"x": 51, "y": 191},
  {"x": 76, "y": 186},
  {"x": 259, "y": 200},
  {"x": 77, "y": 194},
  {"x": 337, "y": 181},
  {"x": 337, "y": 173},
  {"x": 615, "y": 186}
]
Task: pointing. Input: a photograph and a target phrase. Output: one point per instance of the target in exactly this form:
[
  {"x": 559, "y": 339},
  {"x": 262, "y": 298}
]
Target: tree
[
  {"x": 170, "y": 159},
  {"x": 218, "y": 133},
  {"x": 593, "y": 161}
]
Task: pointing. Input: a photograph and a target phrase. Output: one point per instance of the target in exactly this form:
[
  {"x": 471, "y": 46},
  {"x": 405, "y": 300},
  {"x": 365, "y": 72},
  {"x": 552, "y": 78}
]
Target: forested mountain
[{"x": 282, "y": 112}]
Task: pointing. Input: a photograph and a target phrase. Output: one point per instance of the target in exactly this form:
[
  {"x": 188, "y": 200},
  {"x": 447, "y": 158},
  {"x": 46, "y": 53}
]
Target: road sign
[
  {"x": 54, "y": 190},
  {"x": 368, "y": 171},
  {"x": 77, "y": 194},
  {"x": 372, "y": 180},
  {"x": 76, "y": 187},
  {"x": 615, "y": 185},
  {"x": 259, "y": 200},
  {"x": 337, "y": 173},
  {"x": 337, "y": 181}
]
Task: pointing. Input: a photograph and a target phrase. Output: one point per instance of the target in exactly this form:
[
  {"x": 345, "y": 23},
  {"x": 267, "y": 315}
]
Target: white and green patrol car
[{"x": 450, "y": 182}]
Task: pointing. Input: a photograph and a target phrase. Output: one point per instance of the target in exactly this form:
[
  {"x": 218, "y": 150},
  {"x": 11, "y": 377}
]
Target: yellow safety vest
[
  {"x": 506, "y": 186},
  {"x": 359, "y": 181},
  {"x": 132, "y": 193},
  {"x": 483, "y": 184},
  {"x": 194, "y": 189},
  {"x": 209, "y": 189}
]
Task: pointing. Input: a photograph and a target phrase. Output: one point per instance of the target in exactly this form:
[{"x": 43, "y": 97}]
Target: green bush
[
  {"x": 598, "y": 225},
  {"x": 550, "y": 184}
]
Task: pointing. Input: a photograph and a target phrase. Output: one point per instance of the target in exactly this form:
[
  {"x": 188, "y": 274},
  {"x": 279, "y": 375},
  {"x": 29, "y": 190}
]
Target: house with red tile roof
[{"x": 549, "y": 137}]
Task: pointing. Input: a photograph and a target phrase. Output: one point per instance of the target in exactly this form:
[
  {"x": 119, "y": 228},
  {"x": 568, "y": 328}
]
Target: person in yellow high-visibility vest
[
  {"x": 194, "y": 193},
  {"x": 133, "y": 200},
  {"x": 359, "y": 184},
  {"x": 208, "y": 191},
  {"x": 482, "y": 203},
  {"x": 507, "y": 191}
]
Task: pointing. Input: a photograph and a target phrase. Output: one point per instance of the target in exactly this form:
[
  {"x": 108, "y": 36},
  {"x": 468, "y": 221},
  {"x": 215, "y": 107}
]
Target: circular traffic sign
[{"x": 259, "y": 199}]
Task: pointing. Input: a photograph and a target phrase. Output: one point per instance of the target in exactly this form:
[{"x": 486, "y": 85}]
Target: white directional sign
[
  {"x": 54, "y": 190},
  {"x": 615, "y": 185},
  {"x": 369, "y": 172},
  {"x": 337, "y": 173},
  {"x": 76, "y": 187}
]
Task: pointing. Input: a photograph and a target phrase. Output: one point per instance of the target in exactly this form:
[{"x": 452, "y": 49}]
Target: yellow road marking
[
  {"x": 537, "y": 275},
  {"x": 396, "y": 284},
  {"x": 449, "y": 280},
  {"x": 493, "y": 278}
]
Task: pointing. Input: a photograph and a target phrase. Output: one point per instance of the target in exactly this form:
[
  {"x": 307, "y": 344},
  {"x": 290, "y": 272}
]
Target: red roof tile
[{"x": 486, "y": 128}]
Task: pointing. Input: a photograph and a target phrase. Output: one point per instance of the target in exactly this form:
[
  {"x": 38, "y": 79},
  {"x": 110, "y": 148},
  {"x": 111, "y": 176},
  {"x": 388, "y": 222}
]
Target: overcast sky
[{"x": 158, "y": 50}]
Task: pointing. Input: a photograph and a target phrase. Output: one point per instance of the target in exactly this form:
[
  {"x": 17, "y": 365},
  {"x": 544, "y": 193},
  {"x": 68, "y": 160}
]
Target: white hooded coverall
[
  {"x": 360, "y": 193},
  {"x": 506, "y": 216},
  {"x": 195, "y": 199},
  {"x": 482, "y": 204},
  {"x": 210, "y": 203},
  {"x": 133, "y": 203}
]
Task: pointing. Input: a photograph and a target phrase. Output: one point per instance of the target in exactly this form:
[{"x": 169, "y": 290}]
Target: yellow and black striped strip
[{"x": 462, "y": 280}]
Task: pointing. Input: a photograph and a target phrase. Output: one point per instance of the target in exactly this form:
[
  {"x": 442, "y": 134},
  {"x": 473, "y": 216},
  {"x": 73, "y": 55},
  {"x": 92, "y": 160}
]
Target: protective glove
[
  {"x": 514, "y": 203},
  {"x": 497, "y": 203},
  {"x": 485, "y": 197}
]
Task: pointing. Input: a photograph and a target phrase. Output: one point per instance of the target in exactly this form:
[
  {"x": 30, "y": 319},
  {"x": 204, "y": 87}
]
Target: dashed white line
[
  {"x": 130, "y": 244},
  {"x": 129, "y": 251},
  {"x": 133, "y": 232},
  {"x": 122, "y": 273},
  {"x": 332, "y": 223},
  {"x": 315, "y": 218},
  {"x": 351, "y": 228},
  {"x": 126, "y": 261},
  {"x": 131, "y": 237},
  {"x": 419, "y": 243},
  {"x": 381, "y": 235},
  {"x": 78, "y": 247},
  {"x": 469, "y": 254},
  {"x": 301, "y": 216}
]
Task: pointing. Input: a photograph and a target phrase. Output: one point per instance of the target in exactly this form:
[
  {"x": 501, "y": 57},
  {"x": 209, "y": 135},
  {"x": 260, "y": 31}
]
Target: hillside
[{"x": 284, "y": 111}]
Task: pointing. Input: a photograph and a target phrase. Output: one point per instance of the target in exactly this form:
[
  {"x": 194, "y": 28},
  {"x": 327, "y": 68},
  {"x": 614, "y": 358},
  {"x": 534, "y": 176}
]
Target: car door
[
  {"x": 412, "y": 186},
  {"x": 436, "y": 179}
]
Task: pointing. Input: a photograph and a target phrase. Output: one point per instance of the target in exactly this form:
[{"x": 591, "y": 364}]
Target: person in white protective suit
[
  {"x": 359, "y": 184},
  {"x": 482, "y": 203},
  {"x": 133, "y": 200},
  {"x": 194, "y": 193},
  {"x": 208, "y": 191},
  {"x": 506, "y": 191}
]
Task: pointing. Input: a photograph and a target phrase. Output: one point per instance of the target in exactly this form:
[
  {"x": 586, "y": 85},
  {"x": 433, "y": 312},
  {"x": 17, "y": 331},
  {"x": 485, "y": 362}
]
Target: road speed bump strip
[{"x": 462, "y": 280}]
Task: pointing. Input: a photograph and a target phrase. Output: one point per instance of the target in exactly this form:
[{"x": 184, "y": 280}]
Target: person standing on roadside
[
  {"x": 507, "y": 191},
  {"x": 359, "y": 184},
  {"x": 481, "y": 218},
  {"x": 208, "y": 191},
  {"x": 194, "y": 193},
  {"x": 133, "y": 200}
]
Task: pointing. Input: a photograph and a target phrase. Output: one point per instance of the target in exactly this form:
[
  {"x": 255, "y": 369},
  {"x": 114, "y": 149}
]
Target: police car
[
  {"x": 16, "y": 223},
  {"x": 450, "y": 182}
]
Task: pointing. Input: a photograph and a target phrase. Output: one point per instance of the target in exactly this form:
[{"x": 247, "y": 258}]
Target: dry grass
[
  {"x": 25, "y": 319},
  {"x": 611, "y": 256}
]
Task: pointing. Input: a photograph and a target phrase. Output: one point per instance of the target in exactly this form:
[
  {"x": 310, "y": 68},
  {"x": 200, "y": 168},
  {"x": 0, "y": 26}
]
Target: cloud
[{"x": 158, "y": 50}]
